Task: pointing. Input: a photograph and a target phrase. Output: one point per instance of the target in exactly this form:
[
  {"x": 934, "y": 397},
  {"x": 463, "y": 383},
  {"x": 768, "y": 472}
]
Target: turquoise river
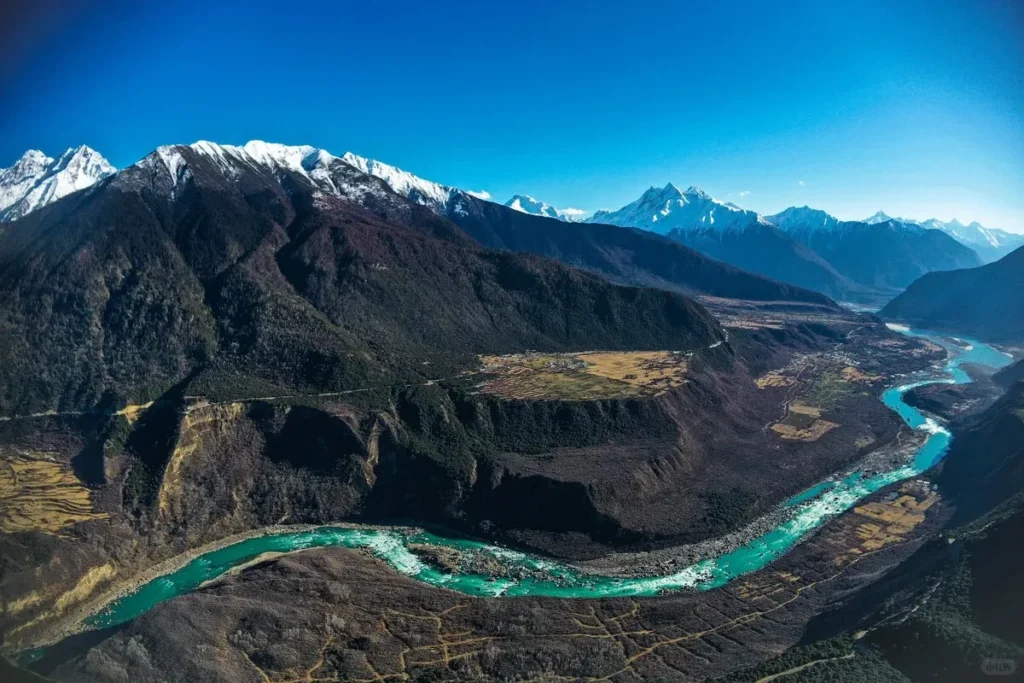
[{"x": 810, "y": 509}]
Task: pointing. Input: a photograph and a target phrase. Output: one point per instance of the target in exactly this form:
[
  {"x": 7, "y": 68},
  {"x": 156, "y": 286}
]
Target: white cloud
[
  {"x": 744, "y": 193},
  {"x": 482, "y": 194},
  {"x": 800, "y": 183},
  {"x": 575, "y": 213}
]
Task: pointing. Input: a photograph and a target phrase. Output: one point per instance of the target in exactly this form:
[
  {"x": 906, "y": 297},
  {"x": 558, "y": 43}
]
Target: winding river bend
[{"x": 811, "y": 509}]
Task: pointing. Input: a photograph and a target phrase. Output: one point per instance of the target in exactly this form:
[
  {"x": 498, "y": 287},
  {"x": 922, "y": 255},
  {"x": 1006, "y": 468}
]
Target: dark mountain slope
[
  {"x": 241, "y": 272},
  {"x": 1009, "y": 375},
  {"x": 986, "y": 302},
  {"x": 886, "y": 256},
  {"x": 985, "y": 465},
  {"x": 765, "y": 249},
  {"x": 622, "y": 254}
]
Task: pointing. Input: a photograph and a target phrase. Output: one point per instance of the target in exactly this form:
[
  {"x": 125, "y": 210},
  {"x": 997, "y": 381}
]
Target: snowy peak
[
  {"x": 664, "y": 209},
  {"x": 36, "y": 180},
  {"x": 881, "y": 217},
  {"x": 527, "y": 204},
  {"x": 31, "y": 162},
  {"x": 991, "y": 244},
  {"x": 804, "y": 219}
]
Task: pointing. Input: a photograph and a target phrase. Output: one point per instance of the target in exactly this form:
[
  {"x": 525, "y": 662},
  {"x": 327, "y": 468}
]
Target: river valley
[{"x": 506, "y": 572}]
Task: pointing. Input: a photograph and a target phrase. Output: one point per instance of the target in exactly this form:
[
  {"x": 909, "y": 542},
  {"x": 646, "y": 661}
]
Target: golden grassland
[
  {"x": 200, "y": 419},
  {"x": 39, "y": 493},
  {"x": 803, "y": 423},
  {"x": 774, "y": 379},
  {"x": 854, "y": 374},
  {"x": 583, "y": 376}
]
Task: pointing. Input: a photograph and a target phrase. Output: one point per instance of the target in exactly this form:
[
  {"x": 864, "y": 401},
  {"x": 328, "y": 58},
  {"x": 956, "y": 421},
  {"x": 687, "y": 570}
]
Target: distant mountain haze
[
  {"x": 991, "y": 244},
  {"x": 883, "y": 255}
]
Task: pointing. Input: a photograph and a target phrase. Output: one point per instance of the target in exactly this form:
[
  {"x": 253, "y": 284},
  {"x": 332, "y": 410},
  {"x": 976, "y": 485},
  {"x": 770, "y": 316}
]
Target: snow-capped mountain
[
  {"x": 527, "y": 204},
  {"x": 668, "y": 208},
  {"x": 883, "y": 253},
  {"x": 170, "y": 168},
  {"x": 425, "y": 192},
  {"x": 349, "y": 177},
  {"x": 232, "y": 160},
  {"x": 991, "y": 244},
  {"x": 729, "y": 233},
  {"x": 883, "y": 217},
  {"x": 36, "y": 180},
  {"x": 804, "y": 218}
]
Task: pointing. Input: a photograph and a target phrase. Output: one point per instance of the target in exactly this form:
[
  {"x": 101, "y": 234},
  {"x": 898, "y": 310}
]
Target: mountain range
[
  {"x": 991, "y": 244},
  {"x": 885, "y": 256},
  {"x": 848, "y": 260},
  {"x": 860, "y": 261},
  {"x": 285, "y": 268},
  {"x": 634, "y": 257},
  {"x": 734, "y": 235},
  {"x": 219, "y": 340}
]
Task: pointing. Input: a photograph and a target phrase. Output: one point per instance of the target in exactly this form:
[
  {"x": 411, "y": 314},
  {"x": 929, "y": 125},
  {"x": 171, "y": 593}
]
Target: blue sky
[{"x": 913, "y": 107}]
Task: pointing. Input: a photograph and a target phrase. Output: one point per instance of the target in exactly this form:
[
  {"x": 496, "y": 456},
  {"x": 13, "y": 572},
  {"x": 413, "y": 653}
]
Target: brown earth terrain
[{"x": 692, "y": 462}]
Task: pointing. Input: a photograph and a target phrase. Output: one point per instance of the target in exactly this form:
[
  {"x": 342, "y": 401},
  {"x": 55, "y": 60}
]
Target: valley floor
[{"x": 364, "y": 622}]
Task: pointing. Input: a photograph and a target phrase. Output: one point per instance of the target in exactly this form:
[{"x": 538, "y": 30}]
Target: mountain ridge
[
  {"x": 624, "y": 255},
  {"x": 991, "y": 244},
  {"x": 986, "y": 302},
  {"x": 885, "y": 255},
  {"x": 741, "y": 237}
]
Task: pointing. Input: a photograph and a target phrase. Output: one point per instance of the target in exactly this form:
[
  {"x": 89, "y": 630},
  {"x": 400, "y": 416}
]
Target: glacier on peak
[
  {"x": 665, "y": 209},
  {"x": 527, "y": 204},
  {"x": 36, "y": 179}
]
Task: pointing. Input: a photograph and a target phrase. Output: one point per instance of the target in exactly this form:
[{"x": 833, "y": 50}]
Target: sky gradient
[{"x": 915, "y": 109}]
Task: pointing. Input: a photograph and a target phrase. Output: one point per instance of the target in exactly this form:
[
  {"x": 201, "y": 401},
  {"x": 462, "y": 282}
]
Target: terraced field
[
  {"x": 39, "y": 493},
  {"x": 803, "y": 423}
]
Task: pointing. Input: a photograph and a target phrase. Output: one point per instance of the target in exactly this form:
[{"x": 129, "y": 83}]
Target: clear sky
[{"x": 914, "y": 107}]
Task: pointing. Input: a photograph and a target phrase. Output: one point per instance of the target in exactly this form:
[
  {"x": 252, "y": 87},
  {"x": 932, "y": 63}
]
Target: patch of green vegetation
[
  {"x": 835, "y": 659},
  {"x": 828, "y": 389},
  {"x": 725, "y": 510}
]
